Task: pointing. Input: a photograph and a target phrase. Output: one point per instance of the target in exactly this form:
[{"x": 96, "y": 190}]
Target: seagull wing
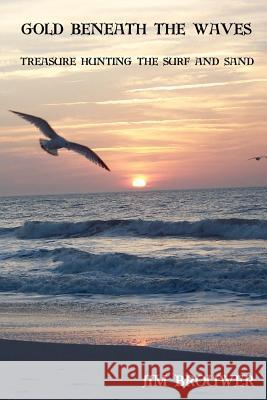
[
  {"x": 88, "y": 153},
  {"x": 39, "y": 123}
]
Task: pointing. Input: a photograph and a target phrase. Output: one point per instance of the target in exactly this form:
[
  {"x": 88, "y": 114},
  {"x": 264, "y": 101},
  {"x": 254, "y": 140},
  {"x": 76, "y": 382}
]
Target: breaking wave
[
  {"x": 78, "y": 272},
  {"x": 232, "y": 228}
]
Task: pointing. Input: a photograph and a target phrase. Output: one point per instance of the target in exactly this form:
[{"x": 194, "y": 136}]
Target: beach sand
[{"x": 12, "y": 350}]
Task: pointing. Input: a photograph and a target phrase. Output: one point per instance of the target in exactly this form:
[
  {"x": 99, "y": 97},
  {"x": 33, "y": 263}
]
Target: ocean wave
[
  {"x": 232, "y": 228},
  {"x": 77, "y": 272},
  {"x": 7, "y": 231}
]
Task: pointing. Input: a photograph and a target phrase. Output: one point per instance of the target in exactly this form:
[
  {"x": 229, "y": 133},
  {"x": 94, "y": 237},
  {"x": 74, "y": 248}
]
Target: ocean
[{"x": 180, "y": 269}]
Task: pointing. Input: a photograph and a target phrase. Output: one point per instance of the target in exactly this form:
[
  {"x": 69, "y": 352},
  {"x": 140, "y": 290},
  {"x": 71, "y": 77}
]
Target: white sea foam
[{"x": 74, "y": 271}]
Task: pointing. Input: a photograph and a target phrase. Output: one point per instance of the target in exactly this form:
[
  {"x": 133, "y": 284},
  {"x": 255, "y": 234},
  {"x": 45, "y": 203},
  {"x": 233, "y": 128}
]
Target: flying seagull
[
  {"x": 258, "y": 158},
  {"x": 57, "y": 142}
]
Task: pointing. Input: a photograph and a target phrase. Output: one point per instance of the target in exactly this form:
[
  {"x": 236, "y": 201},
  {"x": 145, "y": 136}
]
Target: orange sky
[{"x": 179, "y": 127}]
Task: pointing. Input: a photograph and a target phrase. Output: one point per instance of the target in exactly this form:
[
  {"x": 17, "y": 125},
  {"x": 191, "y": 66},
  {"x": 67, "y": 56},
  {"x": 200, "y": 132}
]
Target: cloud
[
  {"x": 197, "y": 85},
  {"x": 129, "y": 123},
  {"x": 113, "y": 102},
  {"x": 137, "y": 149}
]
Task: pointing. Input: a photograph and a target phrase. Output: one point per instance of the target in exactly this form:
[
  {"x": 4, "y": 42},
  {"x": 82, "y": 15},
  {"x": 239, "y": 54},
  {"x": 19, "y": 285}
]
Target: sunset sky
[{"x": 175, "y": 127}]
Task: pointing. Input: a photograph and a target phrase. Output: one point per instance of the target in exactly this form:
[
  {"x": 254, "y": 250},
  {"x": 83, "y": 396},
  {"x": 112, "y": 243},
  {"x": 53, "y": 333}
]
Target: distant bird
[
  {"x": 57, "y": 142},
  {"x": 258, "y": 158}
]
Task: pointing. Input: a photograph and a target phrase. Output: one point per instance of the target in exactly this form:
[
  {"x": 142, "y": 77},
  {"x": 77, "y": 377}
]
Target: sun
[{"x": 139, "y": 182}]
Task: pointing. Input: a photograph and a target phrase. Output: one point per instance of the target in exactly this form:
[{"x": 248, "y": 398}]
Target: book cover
[{"x": 133, "y": 219}]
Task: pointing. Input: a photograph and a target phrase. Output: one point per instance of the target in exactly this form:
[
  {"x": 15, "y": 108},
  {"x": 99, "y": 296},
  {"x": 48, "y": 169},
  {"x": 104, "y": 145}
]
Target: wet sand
[{"x": 13, "y": 350}]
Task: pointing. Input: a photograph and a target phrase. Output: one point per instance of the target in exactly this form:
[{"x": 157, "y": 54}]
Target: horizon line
[{"x": 134, "y": 191}]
